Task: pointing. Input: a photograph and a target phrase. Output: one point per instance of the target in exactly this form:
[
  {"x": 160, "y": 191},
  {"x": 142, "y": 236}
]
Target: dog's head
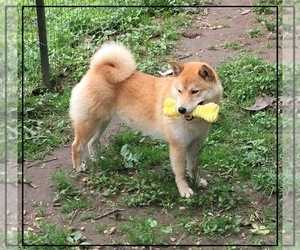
[{"x": 195, "y": 83}]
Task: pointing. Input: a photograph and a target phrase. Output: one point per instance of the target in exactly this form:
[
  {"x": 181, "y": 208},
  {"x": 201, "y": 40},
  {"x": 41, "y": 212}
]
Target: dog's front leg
[
  {"x": 192, "y": 156},
  {"x": 177, "y": 156}
]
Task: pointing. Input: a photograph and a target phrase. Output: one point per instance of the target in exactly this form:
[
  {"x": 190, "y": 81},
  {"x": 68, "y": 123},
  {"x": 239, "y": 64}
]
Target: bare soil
[{"x": 204, "y": 40}]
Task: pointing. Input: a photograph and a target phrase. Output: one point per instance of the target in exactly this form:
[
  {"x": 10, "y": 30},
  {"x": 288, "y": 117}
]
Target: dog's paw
[
  {"x": 81, "y": 168},
  {"x": 184, "y": 189},
  {"x": 186, "y": 192}
]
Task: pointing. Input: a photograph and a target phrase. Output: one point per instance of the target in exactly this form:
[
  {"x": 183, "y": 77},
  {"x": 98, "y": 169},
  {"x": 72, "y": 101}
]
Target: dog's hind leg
[
  {"x": 94, "y": 141},
  {"x": 84, "y": 131}
]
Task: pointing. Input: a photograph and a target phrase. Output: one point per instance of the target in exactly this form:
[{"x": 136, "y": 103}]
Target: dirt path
[
  {"x": 210, "y": 36},
  {"x": 208, "y": 39}
]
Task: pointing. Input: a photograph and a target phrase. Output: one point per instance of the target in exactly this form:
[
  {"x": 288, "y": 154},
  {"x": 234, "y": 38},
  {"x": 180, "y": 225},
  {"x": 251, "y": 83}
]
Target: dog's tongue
[{"x": 189, "y": 117}]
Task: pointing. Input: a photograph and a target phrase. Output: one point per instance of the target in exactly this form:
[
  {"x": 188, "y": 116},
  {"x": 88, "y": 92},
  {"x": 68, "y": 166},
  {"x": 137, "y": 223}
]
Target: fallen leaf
[
  {"x": 216, "y": 27},
  {"x": 173, "y": 239},
  {"x": 36, "y": 225},
  {"x": 259, "y": 229},
  {"x": 261, "y": 103},
  {"x": 26, "y": 181},
  {"x": 245, "y": 222},
  {"x": 261, "y": 232},
  {"x": 245, "y": 12},
  {"x": 167, "y": 229},
  {"x": 112, "y": 230},
  {"x": 30, "y": 229}
]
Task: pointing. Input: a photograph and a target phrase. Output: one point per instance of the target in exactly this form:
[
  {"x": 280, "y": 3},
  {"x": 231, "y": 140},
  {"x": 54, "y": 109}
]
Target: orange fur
[{"x": 113, "y": 86}]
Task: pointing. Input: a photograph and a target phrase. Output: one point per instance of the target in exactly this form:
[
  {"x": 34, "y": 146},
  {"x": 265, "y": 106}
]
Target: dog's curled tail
[{"x": 114, "y": 62}]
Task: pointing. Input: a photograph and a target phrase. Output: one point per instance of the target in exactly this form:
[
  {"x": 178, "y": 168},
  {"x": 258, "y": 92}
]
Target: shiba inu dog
[{"x": 113, "y": 86}]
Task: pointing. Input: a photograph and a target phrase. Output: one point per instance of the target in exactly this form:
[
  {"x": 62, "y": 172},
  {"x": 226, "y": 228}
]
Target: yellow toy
[{"x": 208, "y": 112}]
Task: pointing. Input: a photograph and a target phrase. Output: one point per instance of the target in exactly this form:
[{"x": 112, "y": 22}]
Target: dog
[{"x": 113, "y": 86}]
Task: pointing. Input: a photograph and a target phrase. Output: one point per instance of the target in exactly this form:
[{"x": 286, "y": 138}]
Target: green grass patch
[
  {"x": 144, "y": 231},
  {"x": 231, "y": 45},
  {"x": 67, "y": 194},
  {"x": 253, "y": 33},
  {"x": 264, "y": 7},
  {"x": 212, "y": 225},
  {"x": 49, "y": 235},
  {"x": 246, "y": 78}
]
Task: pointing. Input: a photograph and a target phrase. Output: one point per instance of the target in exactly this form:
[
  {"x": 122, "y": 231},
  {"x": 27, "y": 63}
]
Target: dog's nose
[{"x": 182, "y": 110}]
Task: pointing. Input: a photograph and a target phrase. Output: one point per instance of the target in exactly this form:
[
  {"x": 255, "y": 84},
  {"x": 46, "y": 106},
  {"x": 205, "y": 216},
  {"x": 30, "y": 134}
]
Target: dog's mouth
[{"x": 190, "y": 117}]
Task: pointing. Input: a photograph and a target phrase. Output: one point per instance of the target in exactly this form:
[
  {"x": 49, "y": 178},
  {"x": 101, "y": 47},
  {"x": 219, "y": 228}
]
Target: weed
[
  {"x": 231, "y": 45},
  {"x": 264, "y": 10},
  {"x": 254, "y": 78},
  {"x": 76, "y": 239},
  {"x": 86, "y": 216},
  {"x": 213, "y": 225},
  {"x": 129, "y": 157},
  {"x": 49, "y": 235},
  {"x": 253, "y": 33},
  {"x": 76, "y": 203},
  {"x": 63, "y": 186},
  {"x": 143, "y": 231},
  {"x": 99, "y": 227},
  {"x": 269, "y": 45},
  {"x": 40, "y": 210},
  {"x": 263, "y": 7},
  {"x": 212, "y": 47},
  {"x": 271, "y": 26},
  {"x": 65, "y": 192}
]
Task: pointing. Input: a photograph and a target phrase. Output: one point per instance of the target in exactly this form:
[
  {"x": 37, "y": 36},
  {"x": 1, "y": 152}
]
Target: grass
[
  {"x": 144, "y": 231},
  {"x": 265, "y": 6},
  {"x": 134, "y": 171},
  {"x": 253, "y": 33},
  {"x": 231, "y": 45},
  {"x": 49, "y": 235}
]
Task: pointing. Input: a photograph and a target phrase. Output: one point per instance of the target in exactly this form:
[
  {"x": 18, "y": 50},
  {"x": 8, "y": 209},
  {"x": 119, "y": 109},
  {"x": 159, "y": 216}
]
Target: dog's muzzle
[{"x": 182, "y": 110}]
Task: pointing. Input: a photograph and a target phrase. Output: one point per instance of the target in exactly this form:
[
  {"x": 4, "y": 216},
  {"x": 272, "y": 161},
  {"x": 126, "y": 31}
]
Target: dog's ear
[
  {"x": 176, "y": 68},
  {"x": 207, "y": 73}
]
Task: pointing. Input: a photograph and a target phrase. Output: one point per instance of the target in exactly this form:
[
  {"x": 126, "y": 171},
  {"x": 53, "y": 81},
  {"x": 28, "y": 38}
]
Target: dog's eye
[
  {"x": 195, "y": 91},
  {"x": 179, "y": 91}
]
